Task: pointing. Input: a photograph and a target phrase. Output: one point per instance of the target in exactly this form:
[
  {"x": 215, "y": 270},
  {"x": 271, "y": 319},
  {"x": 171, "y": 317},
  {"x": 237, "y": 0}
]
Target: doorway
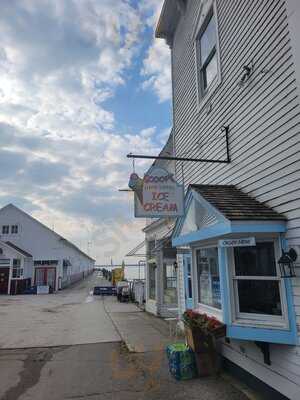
[
  {"x": 4, "y": 280},
  {"x": 187, "y": 265},
  {"x": 46, "y": 276}
]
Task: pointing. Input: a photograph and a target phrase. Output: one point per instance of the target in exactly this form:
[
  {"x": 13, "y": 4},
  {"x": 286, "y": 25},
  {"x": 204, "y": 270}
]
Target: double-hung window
[
  {"x": 17, "y": 269},
  {"x": 5, "y": 229},
  {"x": 207, "y": 57},
  {"x": 14, "y": 229},
  {"x": 257, "y": 287},
  {"x": 152, "y": 281}
]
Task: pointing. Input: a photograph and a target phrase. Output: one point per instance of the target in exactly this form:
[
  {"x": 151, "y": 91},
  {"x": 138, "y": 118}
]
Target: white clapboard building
[
  {"x": 236, "y": 76},
  {"x": 31, "y": 254}
]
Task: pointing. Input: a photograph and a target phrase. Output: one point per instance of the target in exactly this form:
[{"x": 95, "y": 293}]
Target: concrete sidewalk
[{"x": 140, "y": 331}]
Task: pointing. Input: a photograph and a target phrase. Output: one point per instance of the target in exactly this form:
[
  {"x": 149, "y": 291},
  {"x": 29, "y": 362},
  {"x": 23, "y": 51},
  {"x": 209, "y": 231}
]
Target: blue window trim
[
  {"x": 225, "y": 227},
  {"x": 282, "y": 336}
]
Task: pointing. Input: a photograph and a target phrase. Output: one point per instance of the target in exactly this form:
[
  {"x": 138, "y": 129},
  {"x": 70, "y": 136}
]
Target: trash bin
[{"x": 182, "y": 364}]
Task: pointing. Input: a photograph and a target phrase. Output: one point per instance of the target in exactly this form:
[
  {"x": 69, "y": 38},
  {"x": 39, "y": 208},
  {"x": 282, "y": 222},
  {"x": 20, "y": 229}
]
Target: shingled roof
[{"x": 235, "y": 204}]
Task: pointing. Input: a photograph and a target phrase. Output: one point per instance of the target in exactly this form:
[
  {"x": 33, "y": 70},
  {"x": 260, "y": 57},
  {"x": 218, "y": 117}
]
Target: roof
[
  {"x": 169, "y": 18},
  {"x": 13, "y": 246},
  {"x": 235, "y": 204},
  {"x": 67, "y": 242}
]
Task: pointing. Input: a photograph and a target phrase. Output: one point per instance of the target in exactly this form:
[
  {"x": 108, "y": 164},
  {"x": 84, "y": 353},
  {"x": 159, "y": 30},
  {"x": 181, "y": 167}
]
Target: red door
[
  {"x": 46, "y": 276},
  {"x": 4, "y": 279}
]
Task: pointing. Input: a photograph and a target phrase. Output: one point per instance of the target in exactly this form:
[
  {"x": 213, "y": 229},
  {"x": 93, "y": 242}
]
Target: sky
[{"x": 82, "y": 83}]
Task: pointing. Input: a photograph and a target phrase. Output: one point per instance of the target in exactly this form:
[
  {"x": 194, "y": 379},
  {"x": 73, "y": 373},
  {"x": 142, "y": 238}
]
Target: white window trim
[
  {"x": 209, "y": 310},
  {"x": 5, "y": 225},
  {"x": 203, "y": 99},
  {"x": 11, "y": 229},
  {"x": 261, "y": 320}
]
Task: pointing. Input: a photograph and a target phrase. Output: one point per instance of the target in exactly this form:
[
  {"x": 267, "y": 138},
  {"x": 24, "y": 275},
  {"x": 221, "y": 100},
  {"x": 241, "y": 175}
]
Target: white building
[
  {"x": 236, "y": 65},
  {"x": 32, "y": 254}
]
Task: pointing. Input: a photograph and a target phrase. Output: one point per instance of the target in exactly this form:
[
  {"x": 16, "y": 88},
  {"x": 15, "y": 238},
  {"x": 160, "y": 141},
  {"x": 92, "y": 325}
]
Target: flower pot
[{"x": 199, "y": 342}]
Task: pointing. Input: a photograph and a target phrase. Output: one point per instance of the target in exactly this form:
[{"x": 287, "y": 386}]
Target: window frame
[
  {"x": 252, "y": 319},
  {"x": 19, "y": 268},
  {"x": 152, "y": 265},
  {"x": 12, "y": 228},
  {"x": 210, "y": 310},
  {"x": 3, "y": 229},
  {"x": 204, "y": 94}
]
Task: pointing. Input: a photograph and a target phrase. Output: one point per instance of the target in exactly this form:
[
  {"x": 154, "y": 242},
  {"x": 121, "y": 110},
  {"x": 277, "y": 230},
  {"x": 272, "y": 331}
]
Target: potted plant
[{"x": 201, "y": 332}]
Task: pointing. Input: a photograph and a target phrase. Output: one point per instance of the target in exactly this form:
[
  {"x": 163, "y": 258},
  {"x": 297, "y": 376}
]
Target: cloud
[
  {"x": 156, "y": 69},
  {"x": 62, "y": 157}
]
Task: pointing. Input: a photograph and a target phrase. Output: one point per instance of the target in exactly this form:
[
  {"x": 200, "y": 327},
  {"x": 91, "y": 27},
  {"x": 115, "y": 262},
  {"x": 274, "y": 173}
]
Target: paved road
[
  {"x": 83, "y": 357},
  {"x": 72, "y": 316}
]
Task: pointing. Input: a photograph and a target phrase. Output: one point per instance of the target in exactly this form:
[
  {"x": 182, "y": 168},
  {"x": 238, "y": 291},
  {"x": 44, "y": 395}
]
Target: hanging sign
[
  {"x": 157, "y": 194},
  {"x": 244, "y": 242}
]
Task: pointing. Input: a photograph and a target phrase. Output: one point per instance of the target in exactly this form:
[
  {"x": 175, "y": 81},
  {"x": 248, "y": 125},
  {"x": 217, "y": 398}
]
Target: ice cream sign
[{"x": 157, "y": 195}]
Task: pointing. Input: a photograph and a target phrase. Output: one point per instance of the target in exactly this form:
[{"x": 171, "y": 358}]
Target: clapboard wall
[{"x": 264, "y": 140}]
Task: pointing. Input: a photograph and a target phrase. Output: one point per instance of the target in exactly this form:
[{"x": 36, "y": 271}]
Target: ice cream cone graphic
[{"x": 136, "y": 184}]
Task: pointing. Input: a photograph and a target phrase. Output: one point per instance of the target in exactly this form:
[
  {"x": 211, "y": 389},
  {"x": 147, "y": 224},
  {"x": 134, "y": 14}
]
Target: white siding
[
  {"x": 42, "y": 243},
  {"x": 264, "y": 139}
]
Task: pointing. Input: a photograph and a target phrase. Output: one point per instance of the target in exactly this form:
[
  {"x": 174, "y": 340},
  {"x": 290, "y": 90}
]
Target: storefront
[
  {"x": 45, "y": 274},
  {"x": 161, "y": 269},
  {"x": 16, "y": 267},
  {"x": 229, "y": 245}
]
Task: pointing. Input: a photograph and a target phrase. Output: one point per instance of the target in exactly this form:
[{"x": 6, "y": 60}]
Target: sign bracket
[{"x": 224, "y": 129}]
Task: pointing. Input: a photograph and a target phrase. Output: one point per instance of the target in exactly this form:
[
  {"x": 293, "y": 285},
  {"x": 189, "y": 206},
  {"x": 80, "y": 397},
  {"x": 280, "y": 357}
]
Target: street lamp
[{"x": 286, "y": 264}]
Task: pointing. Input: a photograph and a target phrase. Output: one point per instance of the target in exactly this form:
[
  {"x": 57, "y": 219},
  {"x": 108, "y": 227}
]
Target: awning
[
  {"x": 138, "y": 251},
  {"x": 217, "y": 210}
]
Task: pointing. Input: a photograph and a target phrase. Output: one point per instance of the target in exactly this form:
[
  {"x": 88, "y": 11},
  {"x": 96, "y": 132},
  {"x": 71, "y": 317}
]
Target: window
[
  {"x": 256, "y": 284},
  {"x": 152, "y": 281},
  {"x": 17, "y": 270},
  {"x": 170, "y": 283},
  {"x": 14, "y": 229},
  {"x": 207, "y": 54},
  {"x": 5, "y": 229},
  {"x": 208, "y": 277}
]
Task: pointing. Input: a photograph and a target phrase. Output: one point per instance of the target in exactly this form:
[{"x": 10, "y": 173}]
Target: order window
[
  {"x": 256, "y": 283},
  {"x": 208, "y": 277}
]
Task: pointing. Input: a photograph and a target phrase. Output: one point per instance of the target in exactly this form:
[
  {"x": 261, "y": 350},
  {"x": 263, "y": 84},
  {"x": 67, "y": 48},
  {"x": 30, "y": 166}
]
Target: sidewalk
[
  {"x": 146, "y": 338},
  {"x": 140, "y": 331}
]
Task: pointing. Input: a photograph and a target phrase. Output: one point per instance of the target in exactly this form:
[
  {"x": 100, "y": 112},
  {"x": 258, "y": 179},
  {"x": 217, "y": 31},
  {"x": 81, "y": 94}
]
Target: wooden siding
[{"x": 264, "y": 120}]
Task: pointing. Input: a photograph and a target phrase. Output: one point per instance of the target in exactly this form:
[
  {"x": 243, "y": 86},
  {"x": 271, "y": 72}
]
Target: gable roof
[
  {"x": 13, "y": 246},
  {"x": 66, "y": 241},
  {"x": 235, "y": 204}
]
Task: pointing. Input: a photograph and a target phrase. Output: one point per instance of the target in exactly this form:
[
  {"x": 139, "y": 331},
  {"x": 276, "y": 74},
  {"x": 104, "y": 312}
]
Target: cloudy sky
[{"x": 82, "y": 83}]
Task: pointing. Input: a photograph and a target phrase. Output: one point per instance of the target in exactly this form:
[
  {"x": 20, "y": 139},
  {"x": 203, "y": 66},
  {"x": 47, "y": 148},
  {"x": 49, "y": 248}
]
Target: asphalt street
[{"x": 47, "y": 354}]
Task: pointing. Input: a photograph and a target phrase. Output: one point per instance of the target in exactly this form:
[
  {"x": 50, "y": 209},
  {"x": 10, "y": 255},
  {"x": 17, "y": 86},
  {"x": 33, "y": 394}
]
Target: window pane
[
  {"x": 208, "y": 40},
  {"x": 256, "y": 260},
  {"x": 152, "y": 282},
  {"x": 210, "y": 72},
  {"x": 208, "y": 277},
  {"x": 16, "y": 262},
  {"x": 170, "y": 284},
  {"x": 259, "y": 297}
]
